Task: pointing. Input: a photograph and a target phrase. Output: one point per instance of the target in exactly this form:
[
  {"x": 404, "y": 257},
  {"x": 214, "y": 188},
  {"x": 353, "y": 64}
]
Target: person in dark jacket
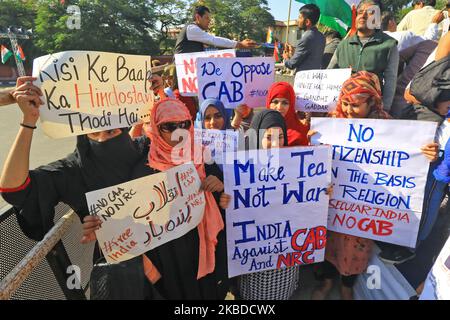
[{"x": 309, "y": 51}]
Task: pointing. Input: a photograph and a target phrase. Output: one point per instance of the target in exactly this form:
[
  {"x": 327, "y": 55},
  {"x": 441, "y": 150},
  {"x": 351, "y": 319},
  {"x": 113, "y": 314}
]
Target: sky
[{"x": 280, "y": 8}]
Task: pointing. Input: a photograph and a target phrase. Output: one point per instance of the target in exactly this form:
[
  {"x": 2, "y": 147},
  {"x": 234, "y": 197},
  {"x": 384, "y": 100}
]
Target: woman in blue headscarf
[{"x": 214, "y": 115}]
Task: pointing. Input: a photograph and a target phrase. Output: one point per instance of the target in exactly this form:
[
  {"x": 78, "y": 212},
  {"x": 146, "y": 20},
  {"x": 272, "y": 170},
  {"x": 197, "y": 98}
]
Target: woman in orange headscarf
[
  {"x": 193, "y": 266},
  {"x": 348, "y": 255},
  {"x": 281, "y": 97}
]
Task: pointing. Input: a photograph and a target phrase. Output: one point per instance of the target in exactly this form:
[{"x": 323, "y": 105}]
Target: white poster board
[
  {"x": 278, "y": 212},
  {"x": 145, "y": 213},
  {"x": 318, "y": 90},
  {"x": 186, "y": 64},
  {"x": 235, "y": 81},
  {"x": 218, "y": 142},
  {"x": 88, "y": 91},
  {"x": 379, "y": 176}
]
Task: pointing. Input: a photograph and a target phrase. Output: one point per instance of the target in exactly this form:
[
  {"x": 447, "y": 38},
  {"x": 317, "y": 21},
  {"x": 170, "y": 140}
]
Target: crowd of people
[{"x": 398, "y": 72}]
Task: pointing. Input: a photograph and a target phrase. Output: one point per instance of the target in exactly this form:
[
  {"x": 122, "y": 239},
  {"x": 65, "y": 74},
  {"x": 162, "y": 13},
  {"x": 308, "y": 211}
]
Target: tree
[
  {"x": 19, "y": 14},
  {"x": 394, "y": 5},
  {"x": 123, "y": 26},
  {"x": 240, "y": 19},
  {"x": 170, "y": 14}
]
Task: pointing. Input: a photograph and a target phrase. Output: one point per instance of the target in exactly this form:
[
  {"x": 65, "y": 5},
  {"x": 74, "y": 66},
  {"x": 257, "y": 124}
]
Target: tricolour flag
[
  {"x": 20, "y": 53},
  {"x": 269, "y": 35},
  {"x": 335, "y": 14},
  {"x": 276, "y": 52},
  {"x": 6, "y": 54}
]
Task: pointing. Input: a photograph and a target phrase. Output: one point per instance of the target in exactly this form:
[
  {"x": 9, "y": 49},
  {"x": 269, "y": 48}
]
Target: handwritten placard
[
  {"x": 145, "y": 213},
  {"x": 379, "y": 174},
  {"x": 278, "y": 213},
  {"x": 87, "y": 91},
  {"x": 235, "y": 81},
  {"x": 318, "y": 90},
  {"x": 218, "y": 142},
  {"x": 186, "y": 64}
]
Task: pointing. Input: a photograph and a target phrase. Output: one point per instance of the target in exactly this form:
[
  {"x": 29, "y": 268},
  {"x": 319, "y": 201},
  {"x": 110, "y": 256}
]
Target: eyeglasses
[{"x": 172, "y": 126}]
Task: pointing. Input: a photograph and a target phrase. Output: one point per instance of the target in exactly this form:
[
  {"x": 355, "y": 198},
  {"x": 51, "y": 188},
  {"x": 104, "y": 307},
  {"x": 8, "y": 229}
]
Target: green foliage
[{"x": 240, "y": 19}]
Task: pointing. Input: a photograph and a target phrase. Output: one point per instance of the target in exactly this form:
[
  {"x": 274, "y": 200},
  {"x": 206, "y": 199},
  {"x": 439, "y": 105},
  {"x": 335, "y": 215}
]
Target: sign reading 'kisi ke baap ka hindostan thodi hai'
[{"x": 88, "y": 91}]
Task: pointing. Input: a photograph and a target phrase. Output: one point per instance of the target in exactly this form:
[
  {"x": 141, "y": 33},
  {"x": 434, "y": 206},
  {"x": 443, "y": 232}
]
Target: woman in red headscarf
[
  {"x": 348, "y": 255},
  {"x": 281, "y": 97}
]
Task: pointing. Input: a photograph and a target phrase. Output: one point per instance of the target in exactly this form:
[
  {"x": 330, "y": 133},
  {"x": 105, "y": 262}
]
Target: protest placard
[
  {"x": 379, "y": 176},
  {"x": 278, "y": 212},
  {"x": 235, "y": 81},
  {"x": 437, "y": 284},
  {"x": 88, "y": 91},
  {"x": 145, "y": 213},
  {"x": 219, "y": 142},
  {"x": 186, "y": 64},
  {"x": 318, "y": 90}
]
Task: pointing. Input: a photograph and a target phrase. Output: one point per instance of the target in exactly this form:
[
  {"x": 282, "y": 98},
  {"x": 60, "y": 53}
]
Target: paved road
[{"x": 43, "y": 150}]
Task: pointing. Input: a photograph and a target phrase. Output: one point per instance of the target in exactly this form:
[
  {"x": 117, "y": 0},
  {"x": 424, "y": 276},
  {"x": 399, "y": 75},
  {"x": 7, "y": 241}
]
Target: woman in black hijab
[{"x": 268, "y": 131}]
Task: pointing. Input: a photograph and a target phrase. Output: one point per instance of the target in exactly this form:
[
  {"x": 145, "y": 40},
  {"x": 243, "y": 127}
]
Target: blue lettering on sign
[
  {"x": 362, "y": 135},
  {"x": 313, "y": 169},
  {"x": 209, "y": 69},
  {"x": 232, "y": 94},
  {"x": 375, "y": 197},
  {"x": 244, "y": 168},
  {"x": 370, "y": 156},
  {"x": 248, "y": 71},
  {"x": 243, "y": 225}
]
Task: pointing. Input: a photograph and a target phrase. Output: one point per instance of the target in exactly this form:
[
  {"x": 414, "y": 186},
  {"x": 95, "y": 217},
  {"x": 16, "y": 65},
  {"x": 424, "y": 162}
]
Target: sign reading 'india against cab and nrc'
[
  {"x": 88, "y": 91},
  {"x": 278, "y": 213},
  {"x": 144, "y": 213},
  {"x": 379, "y": 176}
]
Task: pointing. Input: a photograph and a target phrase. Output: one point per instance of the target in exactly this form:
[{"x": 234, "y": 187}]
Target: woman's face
[
  {"x": 281, "y": 105},
  {"x": 213, "y": 119},
  {"x": 356, "y": 110},
  {"x": 103, "y": 136},
  {"x": 174, "y": 133},
  {"x": 273, "y": 138}
]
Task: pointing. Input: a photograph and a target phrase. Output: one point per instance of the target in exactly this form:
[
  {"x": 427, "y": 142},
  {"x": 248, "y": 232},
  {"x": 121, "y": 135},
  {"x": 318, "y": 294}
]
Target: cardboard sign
[
  {"x": 318, "y": 90},
  {"x": 235, "y": 81},
  {"x": 186, "y": 64},
  {"x": 219, "y": 142},
  {"x": 87, "y": 91},
  {"x": 145, "y": 213},
  {"x": 379, "y": 176},
  {"x": 278, "y": 212}
]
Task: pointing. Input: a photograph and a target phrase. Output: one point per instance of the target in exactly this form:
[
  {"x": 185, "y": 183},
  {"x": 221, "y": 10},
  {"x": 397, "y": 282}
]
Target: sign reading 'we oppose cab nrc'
[
  {"x": 235, "y": 81},
  {"x": 88, "y": 91}
]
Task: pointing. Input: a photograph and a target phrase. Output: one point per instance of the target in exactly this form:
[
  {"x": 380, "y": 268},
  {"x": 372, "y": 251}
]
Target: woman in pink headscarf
[{"x": 193, "y": 266}]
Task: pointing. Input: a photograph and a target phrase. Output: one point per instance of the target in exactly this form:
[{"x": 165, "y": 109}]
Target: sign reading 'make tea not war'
[
  {"x": 142, "y": 214},
  {"x": 318, "y": 90},
  {"x": 278, "y": 213},
  {"x": 235, "y": 81},
  {"x": 186, "y": 64},
  {"x": 379, "y": 176},
  {"x": 87, "y": 91}
]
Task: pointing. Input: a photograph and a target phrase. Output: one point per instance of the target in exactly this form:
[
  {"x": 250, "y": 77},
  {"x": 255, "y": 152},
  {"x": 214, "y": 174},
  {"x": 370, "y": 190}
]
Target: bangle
[{"x": 27, "y": 126}]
